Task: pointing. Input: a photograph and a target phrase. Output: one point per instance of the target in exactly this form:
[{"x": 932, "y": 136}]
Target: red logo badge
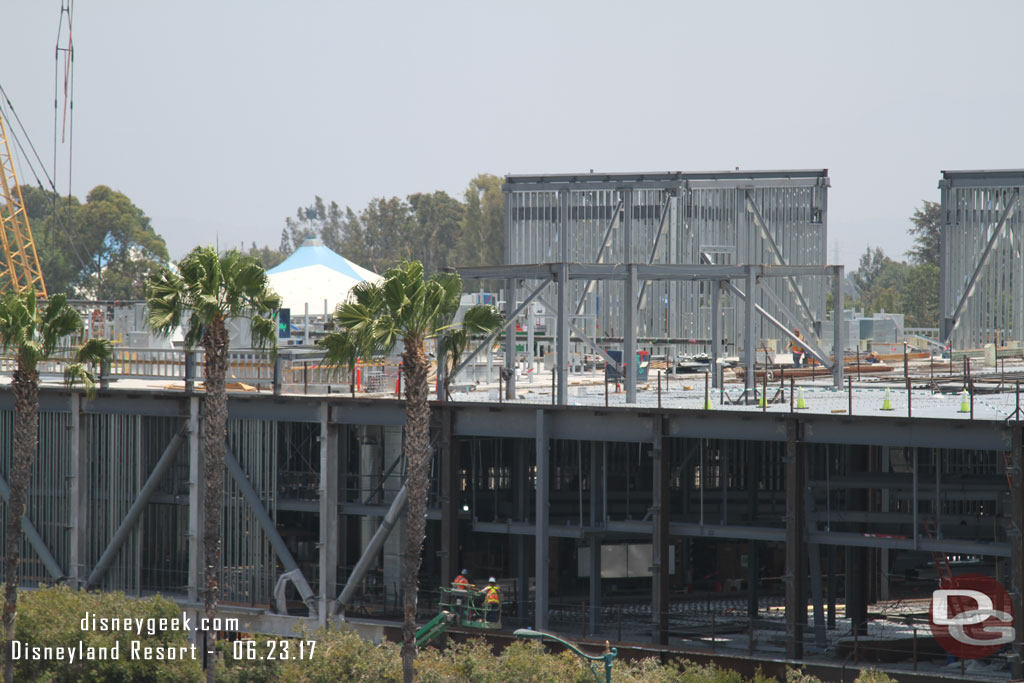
[{"x": 972, "y": 616}]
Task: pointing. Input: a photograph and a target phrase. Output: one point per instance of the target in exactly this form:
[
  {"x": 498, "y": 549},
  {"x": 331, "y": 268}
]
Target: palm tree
[
  {"x": 209, "y": 288},
  {"x": 33, "y": 335},
  {"x": 377, "y": 317}
]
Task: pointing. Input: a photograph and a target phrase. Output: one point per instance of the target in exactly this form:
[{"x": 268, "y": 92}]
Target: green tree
[
  {"x": 103, "y": 249},
  {"x": 926, "y": 229},
  {"x": 437, "y": 221},
  {"x": 210, "y": 288},
  {"x": 405, "y": 309},
  {"x": 265, "y": 255},
  {"x": 386, "y": 229},
  {"x": 33, "y": 336},
  {"x": 482, "y": 235},
  {"x": 122, "y": 245}
]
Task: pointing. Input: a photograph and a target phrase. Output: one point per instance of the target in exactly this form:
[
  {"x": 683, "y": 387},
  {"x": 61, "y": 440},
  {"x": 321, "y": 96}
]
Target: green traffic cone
[
  {"x": 965, "y": 402},
  {"x": 887, "y": 403},
  {"x": 761, "y": 402},
  {"x": 801, "y": 404}
]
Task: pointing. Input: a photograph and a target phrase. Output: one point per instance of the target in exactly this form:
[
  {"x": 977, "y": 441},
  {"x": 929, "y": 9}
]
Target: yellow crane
[{"x": 19, "y": 264}]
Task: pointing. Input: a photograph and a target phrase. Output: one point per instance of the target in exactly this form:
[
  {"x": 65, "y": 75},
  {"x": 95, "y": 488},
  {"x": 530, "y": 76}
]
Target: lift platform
[{"x": 459, "y": 607}]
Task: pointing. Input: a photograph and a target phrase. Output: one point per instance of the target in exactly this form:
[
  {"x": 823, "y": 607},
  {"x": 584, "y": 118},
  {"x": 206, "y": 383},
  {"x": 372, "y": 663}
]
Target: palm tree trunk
[
  {"x": 26, "y": 432},
  {"x": 215, "y": 417},
  {"x": 417, "y": 454}
]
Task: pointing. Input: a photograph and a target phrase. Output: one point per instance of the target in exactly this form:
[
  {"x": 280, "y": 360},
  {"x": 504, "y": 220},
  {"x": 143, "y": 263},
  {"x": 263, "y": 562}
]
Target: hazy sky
[{"x": 218, "y": 118}]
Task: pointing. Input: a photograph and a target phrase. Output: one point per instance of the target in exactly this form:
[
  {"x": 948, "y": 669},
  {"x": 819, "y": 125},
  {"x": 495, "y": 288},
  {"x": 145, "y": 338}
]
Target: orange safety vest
[
  {"x": 492, "y": 595},
  {"x": 461, "y": 582},
  {"x": 796, "y": 347}
]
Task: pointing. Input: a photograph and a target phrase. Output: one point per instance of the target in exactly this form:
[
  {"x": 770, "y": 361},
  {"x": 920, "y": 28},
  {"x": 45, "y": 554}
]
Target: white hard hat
[{"x": 490, "y": 580}]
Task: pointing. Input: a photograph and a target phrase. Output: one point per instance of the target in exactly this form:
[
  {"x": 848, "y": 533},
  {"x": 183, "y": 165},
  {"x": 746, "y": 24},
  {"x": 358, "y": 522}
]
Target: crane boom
[{"x": 19, "y": 264}]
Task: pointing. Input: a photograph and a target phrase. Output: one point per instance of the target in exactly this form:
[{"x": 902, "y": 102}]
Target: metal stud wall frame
[
  {"x": 727, "y": 218},
  {"x": 981, "y": 289}
]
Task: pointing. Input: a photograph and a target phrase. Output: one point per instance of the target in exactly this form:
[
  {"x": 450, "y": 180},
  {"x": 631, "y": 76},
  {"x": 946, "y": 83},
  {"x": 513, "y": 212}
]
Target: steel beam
[
  {"x": 372, "y": 551},
  {"x": 33, "y": 536},
  {"x": 270, "y": 529},
  {"x": 641, "y": 299},
  {"x": 774, "y": 249},
  {"x": 509, "y": 321},
  {"x": 600, "y": 253},
  {"x": 138, "y": 506}
]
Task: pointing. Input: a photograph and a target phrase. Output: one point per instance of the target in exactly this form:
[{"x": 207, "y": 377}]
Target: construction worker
[
  {"x": 492, "y": 600},
  {"x": 797, "y": 349},
  {"x": 461, "y": 581},
  {"x": 461, "y": 594}
]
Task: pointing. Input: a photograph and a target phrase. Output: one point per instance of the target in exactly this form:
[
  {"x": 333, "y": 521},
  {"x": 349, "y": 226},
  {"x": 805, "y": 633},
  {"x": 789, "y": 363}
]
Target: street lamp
[{"x": 609, "y": 652}]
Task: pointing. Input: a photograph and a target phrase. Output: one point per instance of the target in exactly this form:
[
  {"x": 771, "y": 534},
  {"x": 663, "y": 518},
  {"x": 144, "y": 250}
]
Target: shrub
[{"x": 51, "y": 617}]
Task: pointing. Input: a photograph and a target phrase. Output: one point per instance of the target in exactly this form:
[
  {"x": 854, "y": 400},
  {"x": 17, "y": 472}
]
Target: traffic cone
[
  {"x": 707, "y": 404},
  {"x": 801, "y": 404},
  {"x": 887, "y": 403},
  {"x": 761, "y": 402},
  {"x": 965, "y": 402}
]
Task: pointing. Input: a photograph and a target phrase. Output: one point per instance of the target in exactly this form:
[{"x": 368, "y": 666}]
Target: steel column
[
  {"x": 542, "y": 519},
  {"x": 78, "y": 508},
  {"x": 562, "y": 335},
  {"x": 749, "y": 342},
  {"x": 196, "y": 571},
  {"x": 372, "y": 550},
  {"x": 837, "y": 326},
  {"x": 329, "y": 536},
  {"x": 659, "y": 541},
  {"x": 1016, "y": 539},
  {"x": 716, "y": 330},
  {"x": 510, "y": 340},
  {"x": 448, "y": 499},
  {"x": 796, "y": 561},
  {"x": 629, "y": 365}
]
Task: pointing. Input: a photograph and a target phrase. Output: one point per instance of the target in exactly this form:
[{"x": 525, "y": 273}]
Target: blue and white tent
[{"x": 314, "y": 275}]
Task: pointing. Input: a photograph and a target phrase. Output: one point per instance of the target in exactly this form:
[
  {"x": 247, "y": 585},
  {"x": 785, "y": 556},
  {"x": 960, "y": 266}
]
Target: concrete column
[
  {"x": 510, "y": 340},
  {"x": 542, "y": 520},
  {"x": 449, "y": 500},
  {"x": 78, "y": 569},
  {"x": 196, "y": 577},
  {"x": 659, "y": 547},
  {"x": 796, "y": 561},
  {"x": 328, "y": 512}
]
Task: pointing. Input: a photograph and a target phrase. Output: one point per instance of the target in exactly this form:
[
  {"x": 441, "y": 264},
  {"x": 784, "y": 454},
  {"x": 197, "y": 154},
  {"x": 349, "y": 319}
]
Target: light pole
[{"x": 609, "y": 652}]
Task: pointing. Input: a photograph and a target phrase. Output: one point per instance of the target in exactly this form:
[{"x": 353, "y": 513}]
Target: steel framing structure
[
  {"x": 100, "y": 489},
  {"x": 758, "y": 279},
  {"x": 723, "y": 218},
  {"x": 981, "y": 291}
]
